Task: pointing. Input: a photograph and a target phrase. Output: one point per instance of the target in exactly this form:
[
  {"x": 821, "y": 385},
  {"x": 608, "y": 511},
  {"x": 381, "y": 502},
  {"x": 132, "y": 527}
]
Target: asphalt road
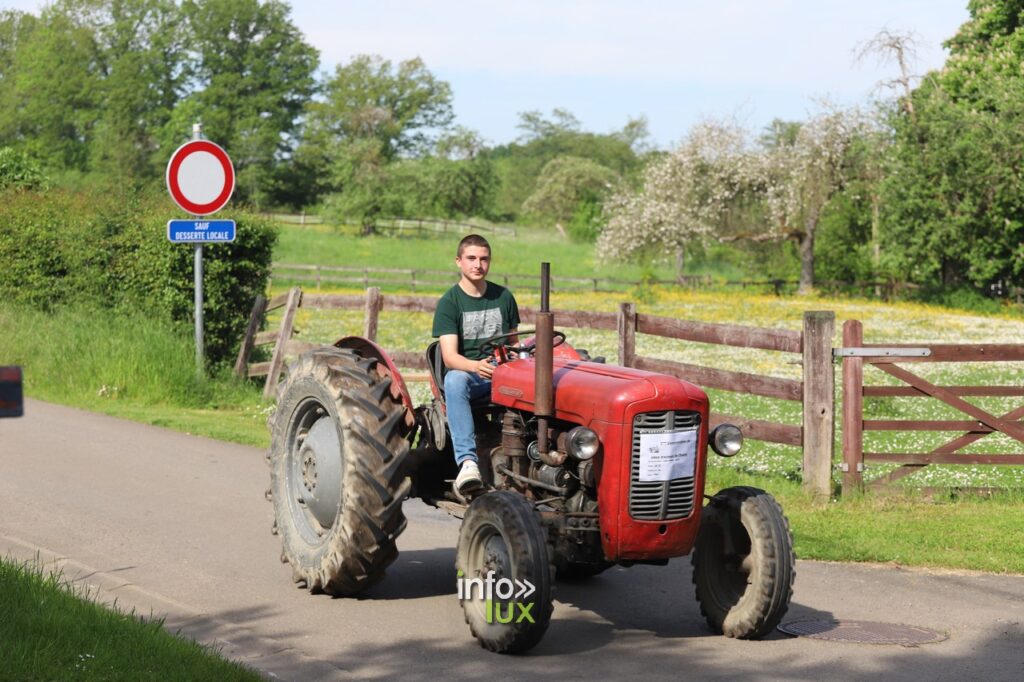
[{"x": 177, "y": 526}]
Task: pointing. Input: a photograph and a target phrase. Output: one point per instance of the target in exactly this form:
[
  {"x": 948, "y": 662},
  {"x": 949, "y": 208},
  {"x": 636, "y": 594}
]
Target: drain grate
[{"x": 863, "y": 632}]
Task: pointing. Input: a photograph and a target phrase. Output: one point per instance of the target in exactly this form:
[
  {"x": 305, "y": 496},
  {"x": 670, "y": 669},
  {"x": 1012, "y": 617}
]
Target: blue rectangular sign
[{"x": 199, "y": 230}]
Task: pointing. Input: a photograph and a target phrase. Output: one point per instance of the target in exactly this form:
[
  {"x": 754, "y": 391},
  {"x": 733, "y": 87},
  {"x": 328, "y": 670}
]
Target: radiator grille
[{"x": 660, "y": 500}]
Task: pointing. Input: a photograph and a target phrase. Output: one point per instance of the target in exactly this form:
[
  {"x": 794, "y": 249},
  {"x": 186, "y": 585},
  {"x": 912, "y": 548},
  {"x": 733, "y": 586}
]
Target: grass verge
[
  {"x": 50, "y": 632},
  {"x": 127, "y": 365},
  {"x": 967, "y": 532}
]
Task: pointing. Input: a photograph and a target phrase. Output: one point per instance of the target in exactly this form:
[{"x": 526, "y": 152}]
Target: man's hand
[{"x": 484, "y": 368}]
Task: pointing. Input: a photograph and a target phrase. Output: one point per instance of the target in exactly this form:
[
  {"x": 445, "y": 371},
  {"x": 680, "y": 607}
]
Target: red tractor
[{"x": 586, "y": 466}]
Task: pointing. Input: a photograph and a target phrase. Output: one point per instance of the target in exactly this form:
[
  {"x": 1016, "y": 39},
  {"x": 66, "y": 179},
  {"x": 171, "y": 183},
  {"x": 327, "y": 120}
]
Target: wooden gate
[{"x": 888, "y": 358}]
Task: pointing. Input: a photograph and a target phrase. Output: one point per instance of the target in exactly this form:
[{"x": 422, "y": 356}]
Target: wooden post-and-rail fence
[{"x": 812, "y": 346}]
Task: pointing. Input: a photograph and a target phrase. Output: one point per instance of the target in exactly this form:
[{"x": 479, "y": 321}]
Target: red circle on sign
[{"x": 174, "y": 183}]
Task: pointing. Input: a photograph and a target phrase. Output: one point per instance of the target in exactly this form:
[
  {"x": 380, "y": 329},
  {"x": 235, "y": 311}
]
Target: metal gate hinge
[{"x": 881, "y": 352}]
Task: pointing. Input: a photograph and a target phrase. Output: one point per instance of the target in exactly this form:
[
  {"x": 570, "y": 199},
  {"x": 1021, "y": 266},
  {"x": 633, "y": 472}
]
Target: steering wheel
[{"x": 501, "y": 350}]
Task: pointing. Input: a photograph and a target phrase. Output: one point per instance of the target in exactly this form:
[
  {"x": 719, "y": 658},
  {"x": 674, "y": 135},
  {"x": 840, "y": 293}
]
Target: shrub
[
  {"x": 62, "y": 248},
  {"x": 19, "y": 171}
]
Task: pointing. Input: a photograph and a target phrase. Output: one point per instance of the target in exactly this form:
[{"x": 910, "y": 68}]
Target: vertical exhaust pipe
[{"x": 544, "y": 394}]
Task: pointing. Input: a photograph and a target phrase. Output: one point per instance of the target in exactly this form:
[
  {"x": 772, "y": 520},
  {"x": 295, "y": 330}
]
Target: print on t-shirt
[{"x": 481, "y": 324}]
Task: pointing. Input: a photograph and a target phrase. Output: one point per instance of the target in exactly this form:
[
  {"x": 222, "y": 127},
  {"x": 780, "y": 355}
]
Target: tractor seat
[{"x": 435, "y": 364}]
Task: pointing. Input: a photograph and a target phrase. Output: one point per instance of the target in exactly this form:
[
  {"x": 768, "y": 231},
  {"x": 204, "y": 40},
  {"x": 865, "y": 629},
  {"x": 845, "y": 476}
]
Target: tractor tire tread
[
  {"x": 764, "y": 603},
  {"x": 528, "y": 544},
  {"x": 361, "y": 544}
]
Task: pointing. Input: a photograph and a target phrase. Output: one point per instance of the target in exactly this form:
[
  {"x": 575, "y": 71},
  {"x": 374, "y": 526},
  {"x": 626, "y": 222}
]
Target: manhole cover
[{"x": 862, "y": 631}]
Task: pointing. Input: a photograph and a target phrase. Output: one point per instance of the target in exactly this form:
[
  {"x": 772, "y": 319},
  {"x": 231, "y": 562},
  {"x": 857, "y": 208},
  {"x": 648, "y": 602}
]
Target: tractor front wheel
[
  {"x": 336, "y": 470},
  {"x": 504, "y": 573},
  {"x": 743, "y": 563}
]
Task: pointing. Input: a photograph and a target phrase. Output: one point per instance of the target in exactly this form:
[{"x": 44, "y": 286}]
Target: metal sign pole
[
  {"x": 200, "y": 179},
  {"x": 198, "y": 269}
]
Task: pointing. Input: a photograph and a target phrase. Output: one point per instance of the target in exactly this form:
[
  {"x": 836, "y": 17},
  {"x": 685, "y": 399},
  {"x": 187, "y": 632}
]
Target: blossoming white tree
[
  {"x": 684, "y": 195},
  {"x": 694, "y": 193},
  {"x": 798, "y": 180}
]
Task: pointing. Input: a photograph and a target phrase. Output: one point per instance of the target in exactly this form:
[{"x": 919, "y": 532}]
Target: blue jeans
[{"x": 460, "y": 389}]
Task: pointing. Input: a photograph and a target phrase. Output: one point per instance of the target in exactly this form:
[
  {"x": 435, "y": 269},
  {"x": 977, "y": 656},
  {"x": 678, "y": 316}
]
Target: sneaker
[{"x": 468, "y": 479}]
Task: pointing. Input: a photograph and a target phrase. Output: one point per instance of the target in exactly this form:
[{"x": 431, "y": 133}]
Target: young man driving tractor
[
  {"x": 470, "y": 312},
  {"x": 612, "y": 472}
]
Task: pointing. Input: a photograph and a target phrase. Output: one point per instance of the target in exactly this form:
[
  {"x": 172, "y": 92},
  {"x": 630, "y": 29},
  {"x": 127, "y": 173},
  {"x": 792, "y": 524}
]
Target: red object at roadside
[{"x": 11, "y": 401}]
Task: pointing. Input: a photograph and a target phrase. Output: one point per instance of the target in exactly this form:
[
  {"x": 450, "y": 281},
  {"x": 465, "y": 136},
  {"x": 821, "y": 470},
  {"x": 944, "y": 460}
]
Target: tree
[
  {"x": 545, "y": 138},
  {"x": 50, "y": 87},
  {"x": 716, "y": 184},
  {"x": 250, "y": 73},
  {"x": 953, "y": 198},
  {"x": 401, "y": 107},
  {"x": 895, "y": 46},
  {"x": 564, "y": 184},
  {"x": 372, "y": 114},
  {"x": 685, "y": 196},
  {"x": 536, "y": 127},
  {"x": 15, "y": 29},
  {"x": 109, "y": 88},
  {"x": 800, "y": 178},
  {"x": 142, "y": 69}
]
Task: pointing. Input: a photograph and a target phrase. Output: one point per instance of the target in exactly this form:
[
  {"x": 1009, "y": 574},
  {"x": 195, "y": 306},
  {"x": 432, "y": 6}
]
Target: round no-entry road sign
[{"x": 200, "y": 177}]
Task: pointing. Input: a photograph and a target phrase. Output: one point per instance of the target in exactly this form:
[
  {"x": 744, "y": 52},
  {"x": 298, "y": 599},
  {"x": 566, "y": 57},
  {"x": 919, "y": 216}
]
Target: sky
[{"x": 607, "y": 61}]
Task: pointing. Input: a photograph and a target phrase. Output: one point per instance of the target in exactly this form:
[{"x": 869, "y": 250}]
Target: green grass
[
  {"x": 521, "y": 255},
  {"x": 952, "y": 532},
  {"x": 127, "y": 365},
  {"x": 892, "y": 323},
  {"x": 969, "y": 532},
  {"x": 50, "y": 631}
]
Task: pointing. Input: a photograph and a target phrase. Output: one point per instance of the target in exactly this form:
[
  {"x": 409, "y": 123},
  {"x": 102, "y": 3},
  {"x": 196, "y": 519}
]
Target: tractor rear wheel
[
  {"x": 336, "y": 468},
  {"x": 743, "y": 563},
  {"x": 502, "y": 544}
]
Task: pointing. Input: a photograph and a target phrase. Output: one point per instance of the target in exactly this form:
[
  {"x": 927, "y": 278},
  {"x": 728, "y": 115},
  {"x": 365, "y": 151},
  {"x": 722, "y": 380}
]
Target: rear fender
[{"x": 398, "y": 389}]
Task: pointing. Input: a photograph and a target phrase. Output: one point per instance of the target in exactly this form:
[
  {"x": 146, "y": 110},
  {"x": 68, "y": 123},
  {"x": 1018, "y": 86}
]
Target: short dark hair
[{"x": 471, "y": 240}]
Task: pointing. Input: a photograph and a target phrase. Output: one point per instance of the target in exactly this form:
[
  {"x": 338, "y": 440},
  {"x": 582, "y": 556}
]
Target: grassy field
[
  {"x": 521, "y": 255},
  {"x": 50, "y": 632},
  {"x": 131, "y": 368},
  {"x": 883, "y": 323},
  {"x": 969, "y": 532}
]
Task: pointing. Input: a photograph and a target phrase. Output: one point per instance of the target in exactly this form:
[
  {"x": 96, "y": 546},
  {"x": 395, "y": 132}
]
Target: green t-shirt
[{"x": 475, "y": 319}]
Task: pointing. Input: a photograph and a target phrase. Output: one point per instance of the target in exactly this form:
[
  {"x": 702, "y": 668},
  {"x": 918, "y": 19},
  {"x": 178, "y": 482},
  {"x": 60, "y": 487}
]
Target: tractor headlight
[
  {"x": 582, "y": 443},
  {"x": 726, "y": 440}
]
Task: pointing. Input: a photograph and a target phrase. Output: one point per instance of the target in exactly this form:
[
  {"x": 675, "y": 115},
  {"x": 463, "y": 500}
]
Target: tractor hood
[{"x": 586, "y": 391}]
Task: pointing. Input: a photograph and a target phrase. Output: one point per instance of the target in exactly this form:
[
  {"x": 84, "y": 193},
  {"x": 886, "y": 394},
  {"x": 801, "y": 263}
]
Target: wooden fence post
[
  {"x": 853, "y": 410},
  {"x": 259, "y": 307},
  {"x": 627, "y": 334},
  {"x": 819, "y": 402},
  {"x": 283, "y": 336},
  {"x": 374, "y": 303}
]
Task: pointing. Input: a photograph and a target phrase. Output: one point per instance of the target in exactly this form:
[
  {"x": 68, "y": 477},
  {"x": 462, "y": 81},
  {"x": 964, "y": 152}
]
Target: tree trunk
[
  {"x": 876, "y": 245},
  {"x": 679, "y": 264},
  {"x": 807, "y": 257}
]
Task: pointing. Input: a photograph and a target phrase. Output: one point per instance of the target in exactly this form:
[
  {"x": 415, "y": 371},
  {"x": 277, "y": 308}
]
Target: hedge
[{"x": 60, "y": 248}]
